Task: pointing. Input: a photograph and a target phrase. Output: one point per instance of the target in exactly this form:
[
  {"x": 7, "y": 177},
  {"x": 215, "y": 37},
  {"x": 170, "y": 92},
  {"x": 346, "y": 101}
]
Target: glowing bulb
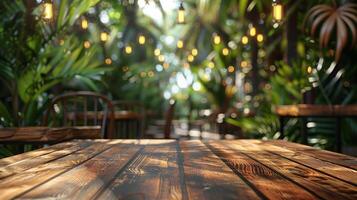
[
  {"x": 61, "y": 42},
  {"x": 211, "y": 64},
  {"x": 179, "y": 44},
  {"x": 181, "y": 14},
  {"x": 157, "y": 52},
  {"x": 161, "y": 58},
  {"x": 252, "y": 31},
  {"x": 216, "y": 39},
  {"x": 225, "y": 51},
  {"x": 141, "y": 39},
  {"x": 151, "y": 74},
  {"x": 260, "y": 38},
  {"x": 104, "y": 36},
  {"x": 48, "y": 10},
  {"x": 230, "y": 69},
  {"x": 309, "y": 69},
  {"x": 86, "y": 44},
  {"x": 84, "y": 24},
  {"x": 194, "y": 52},
  {"x": 190, "y": 58},
  {"x": 245, "y": 40},
  {"x": 108, "y": 61},
  {"x": 244, "y": 64},
  {"x": 128, "y": 49},
  {"x": 143, "y": 74},
  {"x": 277, "y": 11},
  {"x": 166, "y": 65}
]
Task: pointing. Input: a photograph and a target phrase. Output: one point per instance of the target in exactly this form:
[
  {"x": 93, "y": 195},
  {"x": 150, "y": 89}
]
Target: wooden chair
[
  {"x": 129, "y": 119},
  {"x": 168, "y": 119},
  {"x": 82, "y": 109}
]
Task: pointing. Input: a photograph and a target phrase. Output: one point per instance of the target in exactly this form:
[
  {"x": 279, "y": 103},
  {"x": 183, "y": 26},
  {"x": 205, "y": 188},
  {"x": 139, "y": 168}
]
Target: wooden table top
[
  {"x": 170, "y": 169},
  {"x": 308, "y": 110}
]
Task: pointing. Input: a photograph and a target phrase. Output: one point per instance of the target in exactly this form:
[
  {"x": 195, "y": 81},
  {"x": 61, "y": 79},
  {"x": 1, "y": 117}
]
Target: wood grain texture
[
  {"x": 84, "y": 181},
  {"x": 328, "y": 156},
  {"x": 317, "y": 183},
  {"x": 269, "y": 183},
  {"x": 14, "y": 186},
  {"x": 207, "y": 177},
  {"x": 48, "y": 135},
  {"x": 33, "y": 154},
  {"x": 20, "y": 166},
  {"x": 152, "y": 174},
  {"x": 334, "y": 170}
]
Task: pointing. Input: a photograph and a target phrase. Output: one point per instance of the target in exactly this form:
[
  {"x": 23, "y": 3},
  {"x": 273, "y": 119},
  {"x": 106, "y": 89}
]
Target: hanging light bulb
[
  {"x": 47, "y": 9},
  {"x": 190, "y": 58},
  {"x": 108, "y": 61},
  {"x": 128, "y": 49},
  {"x": 216, "y": 39},
  {"x": 252, "y": 31},
  {"x": 260, "y": 38},
  {"x": 180, "y": 44},
  {"x": 244, "y": 40},
  {"x": 231, "y": 69},
  {"x": 194, "y": 52},
  {"x": 225, "y": 51},
  {"x": 86, "y": 44},
  {"x": 141, "y": 39},
  {"x": 84, "y": 23},
  {"x": 277, "y": 11},
  {"x": 161, "y": 58},
  {"x": 157, "y": 52},
  {"x": 104, "y": 36},
  {"x": 211, "y": 65},
  {"x": 181, "y": 14}
]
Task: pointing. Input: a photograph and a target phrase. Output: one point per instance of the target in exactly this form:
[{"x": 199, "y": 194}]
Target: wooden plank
[
  {"x": 48, "y": 135},
  {"x": 337, "y": 171},
  {"x": 269, "y": 183},
  {"x": 84, "y": 181},
  {"x": 25, "y": 164},
  {"x": 328, "y": 156},
  {"x": 153, "y": 174},
  {"x": 315, "y": 182},
  {"x": 14, "y": 186},
  {"x": 33, "y": 154},
  {"x": 207, "y": 176},
  {"x": 309, "y": 110}
]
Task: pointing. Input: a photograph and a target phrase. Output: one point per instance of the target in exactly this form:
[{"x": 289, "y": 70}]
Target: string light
[
  {"x": 157, "y": 52},
  {"x": 108, "y": 61},
  {"x": 180, "y": 44},
  {"x": 245, "y": 40},
  {"x": 128, "y": 49},
  {"x": 244, "y": 64},
  {"x": 260, "y": 38},
  {"x": 47, "y": 9},
  {"x": 190, "y": 58},
  {"x": 309, "y": 69},
  {"x": 61, "y": 42},
  {"x": 104, "y": 36},
  {"x": 181, "y": 14},
  {"x": 231, "y": 69},
  {"x": 84, "y": 24},
  {"x": 216, "y": 39},
  {"x": 141, "y": 39},
  {"x": 277, "y": 11},
  {"x": 211, "y": 65},
  {"x": 194, "y": 52},
  {"x": 252, "y": 31},
  {"x": 86, "y": 44},
  {"x": 166, "y": 65},
  {"x": 225, "y": 51},
  {"x": 161, "y": 58}
]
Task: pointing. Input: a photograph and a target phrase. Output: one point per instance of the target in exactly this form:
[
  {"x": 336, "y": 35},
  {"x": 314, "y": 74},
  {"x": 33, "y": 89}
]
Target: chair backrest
[
  {"x": 168, "y": 118},
  {"x": 82, "y": 109},
  {"x": 130, "y": 117}
]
